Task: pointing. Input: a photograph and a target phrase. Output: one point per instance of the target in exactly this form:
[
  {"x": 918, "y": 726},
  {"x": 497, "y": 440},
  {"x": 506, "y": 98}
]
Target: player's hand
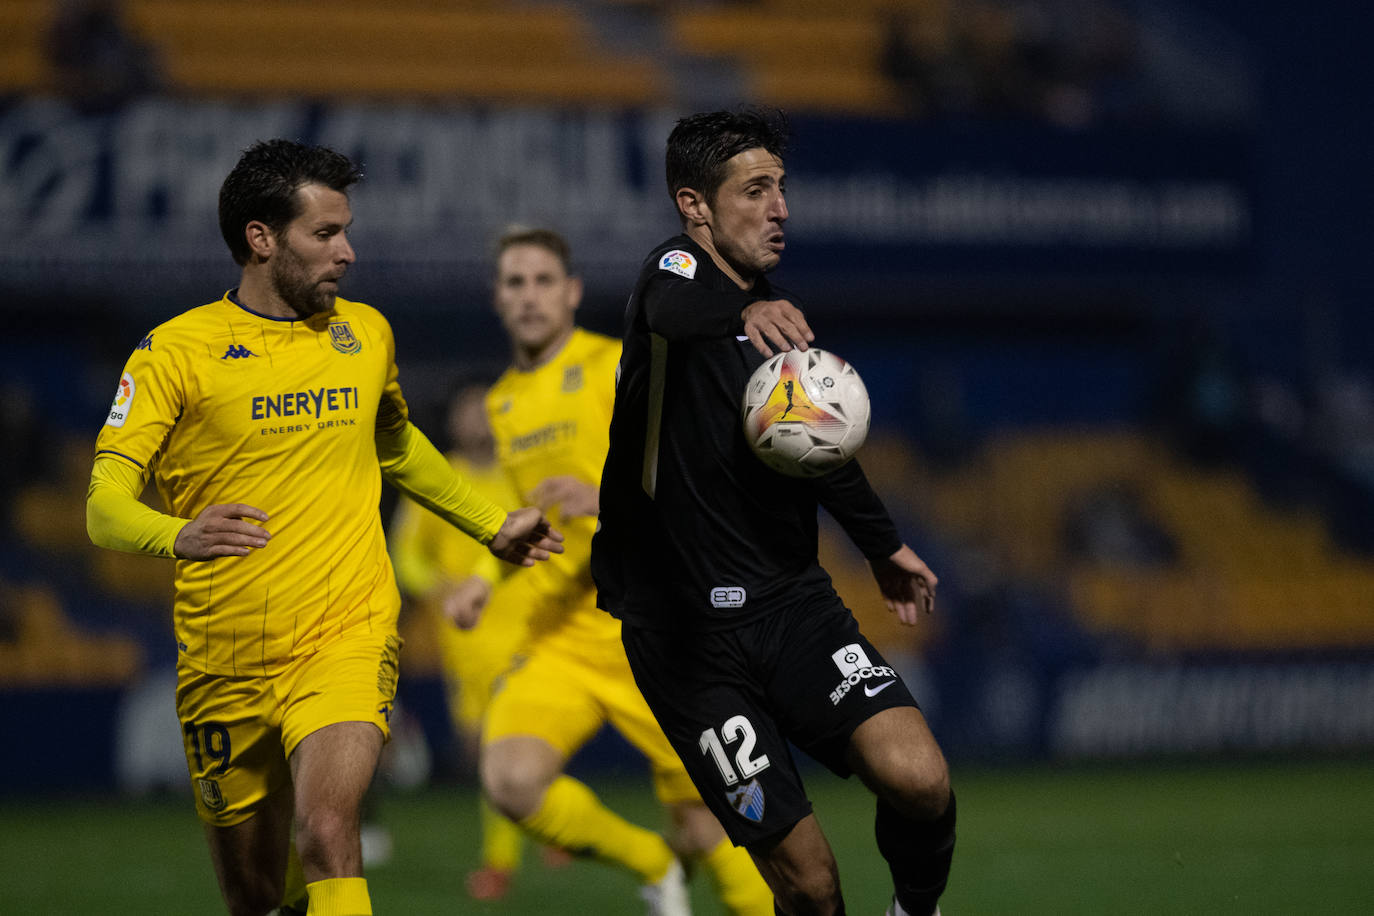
[
  {"x": 220, "y": 531},
  {"x": 463, "y": 603},
  {"x": 575, "y": 497},
  {"x": 907, "y": 584},
  {"x": 526, "y": 537},
  {"x": 776, "y": 320}
]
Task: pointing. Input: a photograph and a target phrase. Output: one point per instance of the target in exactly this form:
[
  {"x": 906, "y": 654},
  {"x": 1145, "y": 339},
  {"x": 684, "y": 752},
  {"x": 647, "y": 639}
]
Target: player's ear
[
  {"x": 262, "y": 241},
  {"x": 693, "y": 206},
  {"x": 574, "y": 291}
]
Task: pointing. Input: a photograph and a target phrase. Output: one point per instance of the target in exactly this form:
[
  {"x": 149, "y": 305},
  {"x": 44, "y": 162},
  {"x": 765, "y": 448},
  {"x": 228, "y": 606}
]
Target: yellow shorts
[
  {"x": 564, "y": 698},
  {"x": 474, "y": 659},
  {"x": 239, "y": 732}
]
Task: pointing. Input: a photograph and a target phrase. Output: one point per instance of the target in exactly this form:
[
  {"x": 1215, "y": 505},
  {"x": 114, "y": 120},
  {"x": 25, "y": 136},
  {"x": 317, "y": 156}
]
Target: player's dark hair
[
  {"x": 263, "y": 186},
  {"x": 701, "y": 144},
  {"x": 544, "y": 238}
]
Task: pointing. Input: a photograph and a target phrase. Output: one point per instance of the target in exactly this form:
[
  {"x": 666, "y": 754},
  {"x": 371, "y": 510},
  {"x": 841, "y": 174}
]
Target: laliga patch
[
  {"x": 747, "y": 800},
  {"x": 124, "y": 396},
  {"x": 680, "y": 263}
]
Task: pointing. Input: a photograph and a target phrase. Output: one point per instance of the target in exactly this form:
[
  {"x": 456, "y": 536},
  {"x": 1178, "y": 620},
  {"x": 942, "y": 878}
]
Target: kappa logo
[
  {"x": 679, "y": 262},
  {"x": 146, "y": 343},
  {"x": 747, "y": 800},
  {"x": 856, "y": 667},
  {"x": 237, "y": 351}
]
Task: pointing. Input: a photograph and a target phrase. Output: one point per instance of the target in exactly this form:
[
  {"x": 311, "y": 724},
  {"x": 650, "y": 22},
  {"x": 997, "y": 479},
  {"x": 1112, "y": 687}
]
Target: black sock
[{"x": 918, "y": 853}]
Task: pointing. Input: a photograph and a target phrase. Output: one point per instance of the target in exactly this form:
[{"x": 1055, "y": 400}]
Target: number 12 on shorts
[{"x": 736, "y": 728}]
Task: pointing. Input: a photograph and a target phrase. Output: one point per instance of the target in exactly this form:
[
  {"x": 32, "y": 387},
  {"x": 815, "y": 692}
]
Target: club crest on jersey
[
  {"x": 679, "y": 262},
  {"x": 342, "y": 337},
  {"x": 572, "y": 379},
  {"x": 856, "y": 667},
  {"x": 124, "y": 397},
  {"x": 210, "y": 794},
  {"x": 747, "y": 800}
]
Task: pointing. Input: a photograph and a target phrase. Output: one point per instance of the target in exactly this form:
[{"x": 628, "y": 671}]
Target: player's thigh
[
  {"x": 473, "y": 660},
  {"x": 351, "y": 680},
  {"x": 631, "y": 716},
  {"x": 827, "y": 680},
  {"x": 545, "y": 696},
  {"x": 897, "y": 757},
  {"x": 231, "y": 731},
  {"x": 703, "y": 696}
]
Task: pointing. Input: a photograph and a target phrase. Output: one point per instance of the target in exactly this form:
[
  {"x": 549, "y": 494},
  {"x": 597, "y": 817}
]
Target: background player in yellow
[
  {"x": 550, "y": 413},
  {"x": 431, "y": 557},
  {"x": 268, "y": 419}
]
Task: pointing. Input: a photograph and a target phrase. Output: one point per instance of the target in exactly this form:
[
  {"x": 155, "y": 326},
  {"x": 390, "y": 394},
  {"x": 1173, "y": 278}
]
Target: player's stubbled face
[
  {"x": 748, "y": 212},
  {"x": 313, "y": 253},
  {"x": 535, "y": 297}
]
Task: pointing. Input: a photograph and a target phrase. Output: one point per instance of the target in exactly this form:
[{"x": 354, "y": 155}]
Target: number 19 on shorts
[{"x": 736, "y": 729}]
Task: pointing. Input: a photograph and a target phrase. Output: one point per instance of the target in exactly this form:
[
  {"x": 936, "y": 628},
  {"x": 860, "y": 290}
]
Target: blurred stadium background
[{"x": 1103, "y": 265}]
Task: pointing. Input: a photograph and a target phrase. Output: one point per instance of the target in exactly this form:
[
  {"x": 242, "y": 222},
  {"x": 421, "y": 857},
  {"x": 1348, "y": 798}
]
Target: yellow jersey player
[
  {"x": 431, "y": 557},
  {"x": 550, "y": 414},
  {"x": 268, "y": 419}
]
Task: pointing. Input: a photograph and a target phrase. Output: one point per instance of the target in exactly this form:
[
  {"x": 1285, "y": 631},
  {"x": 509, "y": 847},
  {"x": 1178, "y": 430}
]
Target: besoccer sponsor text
[{"x": 856, "y": 667}]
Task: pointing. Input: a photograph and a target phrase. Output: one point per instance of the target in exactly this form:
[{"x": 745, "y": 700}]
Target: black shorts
[{"x": 731, "y": 700}]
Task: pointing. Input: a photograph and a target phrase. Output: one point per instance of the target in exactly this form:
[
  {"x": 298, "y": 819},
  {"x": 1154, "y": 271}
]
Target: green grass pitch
[{"x": 1272, "y": 837}]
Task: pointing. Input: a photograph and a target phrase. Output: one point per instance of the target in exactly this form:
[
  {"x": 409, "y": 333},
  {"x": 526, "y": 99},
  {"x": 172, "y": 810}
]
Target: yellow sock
[
  {"x": 501, "y": 839},
  {"x": 294, "y": 895},
  {"x": 571, "y": 817},
  {"x": 339, "y": 897},
  {"x": 737, "y": 879}
]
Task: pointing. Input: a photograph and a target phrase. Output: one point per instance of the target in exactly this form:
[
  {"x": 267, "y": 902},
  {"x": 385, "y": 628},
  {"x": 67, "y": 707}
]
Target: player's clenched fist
[
  {"x": 221, "y": 531},
  {"x": 525, "y": 538}
]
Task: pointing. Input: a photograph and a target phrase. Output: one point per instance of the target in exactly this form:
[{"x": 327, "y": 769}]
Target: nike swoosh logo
[{"x": 874, "y": 691}]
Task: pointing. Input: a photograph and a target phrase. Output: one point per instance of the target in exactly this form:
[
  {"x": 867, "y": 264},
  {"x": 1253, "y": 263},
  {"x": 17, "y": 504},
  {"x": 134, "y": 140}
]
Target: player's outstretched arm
[
  {"x": 221, "y": 531},
  {"x": 525, "y": 538},
  {"x": 776, "y": 320},
  {"x": 907, "y": 584}
]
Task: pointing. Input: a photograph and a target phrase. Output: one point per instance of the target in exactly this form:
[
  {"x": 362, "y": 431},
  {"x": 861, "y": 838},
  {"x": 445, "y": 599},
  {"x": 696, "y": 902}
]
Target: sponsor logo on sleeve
[
  {"x": 679, "y": 262},
  {"x": 124, "y": 397}
]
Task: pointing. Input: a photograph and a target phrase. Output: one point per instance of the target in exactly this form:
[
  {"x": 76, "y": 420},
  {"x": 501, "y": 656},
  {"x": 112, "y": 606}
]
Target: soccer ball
[{"x": 805, "y": 412}]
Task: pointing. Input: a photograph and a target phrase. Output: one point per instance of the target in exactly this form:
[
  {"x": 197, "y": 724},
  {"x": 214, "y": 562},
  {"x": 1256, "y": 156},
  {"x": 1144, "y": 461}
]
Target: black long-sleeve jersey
[{"x": 696, "y": 532}]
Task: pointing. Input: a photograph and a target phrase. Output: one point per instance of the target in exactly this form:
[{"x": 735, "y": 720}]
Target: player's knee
[
  {"x": 920, "y": 790},
  {"x": 325, "y": 837},
  {"x": 514, "y": 786},
  {"x": 696, "y": 831}
]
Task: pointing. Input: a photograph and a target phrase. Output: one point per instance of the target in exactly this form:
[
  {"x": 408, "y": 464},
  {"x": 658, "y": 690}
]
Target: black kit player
[{"x": 734, "y": 633}]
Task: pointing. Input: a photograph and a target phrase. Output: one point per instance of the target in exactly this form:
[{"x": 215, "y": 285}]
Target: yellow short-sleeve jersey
[
  {"x": 554, "y": 421},
  {"x": 224, "y": 405}
]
